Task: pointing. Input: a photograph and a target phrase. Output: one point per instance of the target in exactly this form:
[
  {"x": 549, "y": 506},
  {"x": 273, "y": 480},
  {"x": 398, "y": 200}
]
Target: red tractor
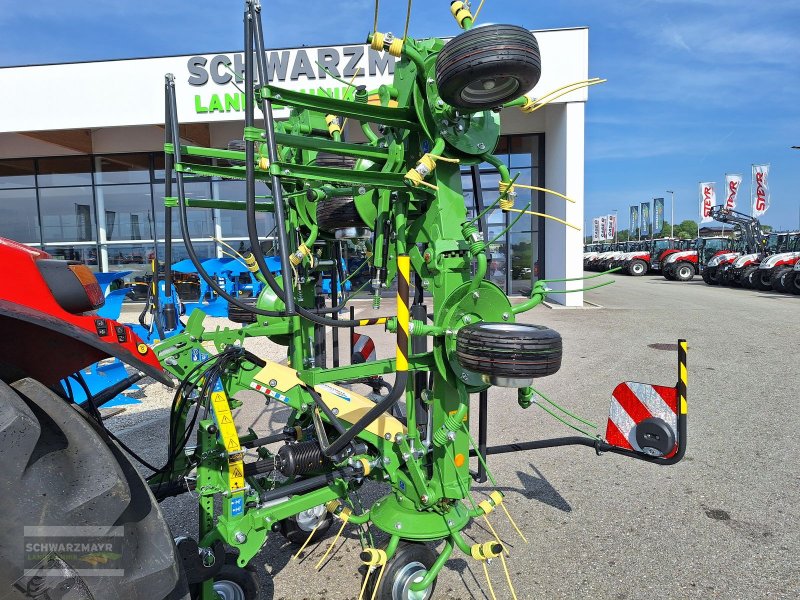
[
  {"x": 716, "y": 268},
  {"x": 684, "y": 265},
  {"x": 652, "y": 258},
  {"x": 50, "y": 334},
  {"x": 771, "y": 270}
]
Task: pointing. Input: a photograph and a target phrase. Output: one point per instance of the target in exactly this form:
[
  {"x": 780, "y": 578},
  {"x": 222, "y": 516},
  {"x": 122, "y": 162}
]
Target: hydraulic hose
[
  {"x": 182, "y": 213},
  {"x": 253, "y": 33},
  {"x": 401, "y": 360}
]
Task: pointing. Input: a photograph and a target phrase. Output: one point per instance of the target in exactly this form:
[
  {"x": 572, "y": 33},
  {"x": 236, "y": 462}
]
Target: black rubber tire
[
  {"x": 290, "y": 529},
  {"x": 407, "y": 553},
  {"x": 513, "y": 350},
  {"x": 487, "y": 66},
  {"x": 792, "y": 282},
  {"x": 684, "y": 271},
  {"x": 747, "y": 279},
  {"x": 246, "y": 579},
  {"x": 710, "y": 275},
  {"x": 340, "y": 212},
  {"x": 668, "y": 273},
  {"x": 778, "y": 278},
  {"x": 60, "y": 469},
  {"x": 762, "y": 280},
  {"x": 240, "y": 315},
  {"x": 637, "y": 268}
]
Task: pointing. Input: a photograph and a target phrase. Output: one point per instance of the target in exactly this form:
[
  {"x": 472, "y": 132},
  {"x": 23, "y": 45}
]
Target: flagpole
[{"x": 752, "y": 205}]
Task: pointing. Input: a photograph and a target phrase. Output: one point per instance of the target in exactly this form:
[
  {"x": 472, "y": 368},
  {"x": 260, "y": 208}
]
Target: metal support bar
[{"x": 483, "y": 426}]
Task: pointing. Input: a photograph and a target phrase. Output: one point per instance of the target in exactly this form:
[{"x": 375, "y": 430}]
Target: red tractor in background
[
  {"x": 768, "y": 273},
  {"x": 652, "y": 258},
  {"x": 684, "y": 264},
  {"x": 50, "y": 334},
  {"x": 742, "y": 271},
  {"x": 750, "y": 240}
]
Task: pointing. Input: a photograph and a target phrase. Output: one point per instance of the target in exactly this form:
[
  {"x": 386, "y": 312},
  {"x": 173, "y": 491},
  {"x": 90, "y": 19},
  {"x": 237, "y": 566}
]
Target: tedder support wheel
[
  {"x": 509, "y": 354},
  {"x": 637, "y": 268},
  {"x": 63, "y": 479},
  {"x": 236, "y": 583},
  {"x": 488, "y": 66},
  {"x": 338, "y": 215},
  {"x": 409, "y": 564},
  {"x": 297, "y": 529},
  {"x": 684, "y": 272}
]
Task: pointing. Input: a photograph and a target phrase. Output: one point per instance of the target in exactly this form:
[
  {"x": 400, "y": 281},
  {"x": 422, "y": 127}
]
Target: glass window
[
  {"x": 67, "y": 214},
  {"x": 122, "y": 168},
  {"x": 65, "y": 170},
  {"x": 130, "y": 257},
  {"x": 524, "y": 151},
  {"x": 17, "y": 173},
  {"x": 128, "y": 211},
  {"x": 200, "y": 220},
  {"x": 19, "y": 219},
  {"x": 234, "y": 222},
  {"x": 85, "y": 253}
]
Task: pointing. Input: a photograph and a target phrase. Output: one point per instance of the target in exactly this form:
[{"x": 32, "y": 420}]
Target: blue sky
[{"x": 696, "y": 88}]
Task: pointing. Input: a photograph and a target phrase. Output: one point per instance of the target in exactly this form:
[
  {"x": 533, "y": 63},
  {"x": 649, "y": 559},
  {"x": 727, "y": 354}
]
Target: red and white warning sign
[
  {"x": 633, "y": 403},
  {"x": 363, "y": 348}
]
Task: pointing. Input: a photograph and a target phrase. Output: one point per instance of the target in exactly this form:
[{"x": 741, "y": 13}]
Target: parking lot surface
[{"x": 723, "y": 523}]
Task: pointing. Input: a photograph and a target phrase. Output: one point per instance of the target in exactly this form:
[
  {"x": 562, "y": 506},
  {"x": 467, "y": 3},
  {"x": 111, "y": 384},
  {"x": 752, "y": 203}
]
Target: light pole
[{"x": 672, "y": 216}]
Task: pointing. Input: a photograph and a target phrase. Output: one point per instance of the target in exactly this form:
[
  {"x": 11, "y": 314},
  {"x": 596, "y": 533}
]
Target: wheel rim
[
  {"x": 308, "y": 519},
  {"x": 229, "y": 590},
  {"x": 409, "y": 574},
  {"x": 637, "y": 269},
  {"x": 684, "y": 272},
  {"x": 485, "y": 91}
]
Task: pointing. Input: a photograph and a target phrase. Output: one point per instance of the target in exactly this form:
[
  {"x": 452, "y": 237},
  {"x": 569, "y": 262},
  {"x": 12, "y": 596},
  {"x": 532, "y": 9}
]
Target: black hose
[{"x": 373, "y": 413}]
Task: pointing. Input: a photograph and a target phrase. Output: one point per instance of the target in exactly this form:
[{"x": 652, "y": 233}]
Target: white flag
[
  {"x": 708, "y": 198},
  {"x": 596, "y": 230},
  {"x": 760, "y": 189},
  {"x": 732, "y": 185},
  {"x": 611, "y": 227},
  {"x": 603, "y": 228}
]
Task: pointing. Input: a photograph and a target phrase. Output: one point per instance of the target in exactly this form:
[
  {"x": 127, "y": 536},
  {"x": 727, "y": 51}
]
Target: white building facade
[{"x": 81, "y": 154}]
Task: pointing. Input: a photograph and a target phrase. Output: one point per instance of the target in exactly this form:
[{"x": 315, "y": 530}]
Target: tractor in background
[
  {"x": 770, "y": 271},
  {"x": 684, "y": 264}
]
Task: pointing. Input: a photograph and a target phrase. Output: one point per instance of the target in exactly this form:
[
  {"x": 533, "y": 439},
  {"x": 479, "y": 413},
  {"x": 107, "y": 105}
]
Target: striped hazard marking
[
  {"x": 632, "y": 403},
  {"x": 363, "y": 348}
]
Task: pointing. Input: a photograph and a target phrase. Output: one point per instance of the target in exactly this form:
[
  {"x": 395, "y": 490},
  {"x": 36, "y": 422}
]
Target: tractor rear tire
[
  {"x": 509, "y": 353},
  {"x": 668, "y": 273},
  {"x": 778, "y": 279},
  {"x": 485, "y": 67},
  {"x": 338, "y": 215},
  {"x": 61, "y": 475},
  {"x": 637, "y": 268},
  {"x": 684, "y": 272}
]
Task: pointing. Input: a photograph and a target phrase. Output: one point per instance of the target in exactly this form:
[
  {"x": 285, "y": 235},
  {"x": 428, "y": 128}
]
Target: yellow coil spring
[
  {"x": 507, "y": 194},
  {"x": 297, "y": 257}
]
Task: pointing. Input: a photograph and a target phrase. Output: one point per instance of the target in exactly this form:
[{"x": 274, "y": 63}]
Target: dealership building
[{"x": 82, "y": 166}]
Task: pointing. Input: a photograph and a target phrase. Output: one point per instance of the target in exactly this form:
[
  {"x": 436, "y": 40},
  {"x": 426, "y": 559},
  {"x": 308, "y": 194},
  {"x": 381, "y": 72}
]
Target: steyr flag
[
  {"x": 596, "y": 230},
  {"x": 732, "y": 184},
  {"x": 646, "y": 218},
  {"x": 760, "y": 189},
  {"x": 603, "y": 228},
  {"x": 658, "y": 215},
  {"x": 708, "y": 198},
  {"x": 611, "y": 227},
  {"x": 634, "y": 221}
]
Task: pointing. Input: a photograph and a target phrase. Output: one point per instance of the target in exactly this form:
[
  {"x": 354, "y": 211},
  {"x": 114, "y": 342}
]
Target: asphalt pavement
[{"x": 723, "y": 523}]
